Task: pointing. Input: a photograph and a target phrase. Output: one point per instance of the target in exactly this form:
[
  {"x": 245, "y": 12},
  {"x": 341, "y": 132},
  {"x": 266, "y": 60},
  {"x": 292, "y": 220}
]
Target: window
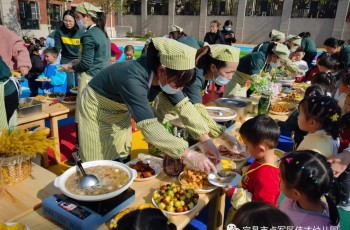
[
  {"x": 132, "y": 7},
  {"x": 55, "y": 14},
  {"x": 29, "y": 15},
  {"x": 222, "y": 7},
  {"x": 157, "y": 7},
  {"x": 264, "y": 7},
  {"x": 314, "y": 8},
  {"x": 187, "y": 7}
]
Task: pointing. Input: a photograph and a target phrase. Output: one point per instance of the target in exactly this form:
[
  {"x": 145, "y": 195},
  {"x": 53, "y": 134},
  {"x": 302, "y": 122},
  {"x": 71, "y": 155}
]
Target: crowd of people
[{"x": 172, "y": 72}]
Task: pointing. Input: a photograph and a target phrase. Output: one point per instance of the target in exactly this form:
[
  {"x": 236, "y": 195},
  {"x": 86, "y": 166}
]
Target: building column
[
  {"x": 286, "y": 15},
  {"x": 144, "y": 28},
  {"x": 171, "y": 13},
  {"x": 240, "y": 20},
  {"x": 340, "y": 19},
  {"x": 9, "y": 15},
  {"x": 203, "y": 19},
  {"x": 119, "y": 21}
]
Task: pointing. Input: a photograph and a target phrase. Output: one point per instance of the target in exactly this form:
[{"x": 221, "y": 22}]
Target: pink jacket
[{"x": 12, "y": 50}]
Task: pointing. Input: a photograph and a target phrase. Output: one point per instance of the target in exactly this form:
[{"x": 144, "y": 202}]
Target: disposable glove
[
  {"x": 198, "y": 161},
  {"x": 210, "y": 150},
  {"x": 232, "y": 141}
]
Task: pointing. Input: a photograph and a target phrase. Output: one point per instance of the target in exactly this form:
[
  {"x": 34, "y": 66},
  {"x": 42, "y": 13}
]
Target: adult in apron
[
  {"x": 9, "y": 94},
  {"x": 337, "y": 47},
  {"x": 257, "y": 64},
  {"x": 307, "y": 45},
  {"x": 218, "y": 62},
  {"x": 276, "y": 37},
  {"x": 124, "y": 89}
]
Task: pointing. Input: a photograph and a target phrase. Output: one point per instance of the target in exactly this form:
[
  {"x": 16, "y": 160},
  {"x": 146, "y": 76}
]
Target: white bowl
[
  {"x": 61, "y": 180},
  {"x": 156, "y": 168}
]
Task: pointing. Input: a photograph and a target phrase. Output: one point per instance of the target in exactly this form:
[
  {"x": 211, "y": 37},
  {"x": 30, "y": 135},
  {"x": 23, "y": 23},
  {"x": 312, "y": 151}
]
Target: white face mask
[
  {"x": 228, "y": 28},
  {"x": 81, "y": 24},
  {"x": 275, "y": 65},
  {"x": 220, "y": 80},
  {"x": 292, "y": 50},
  {"x": 167, "y": 88}
]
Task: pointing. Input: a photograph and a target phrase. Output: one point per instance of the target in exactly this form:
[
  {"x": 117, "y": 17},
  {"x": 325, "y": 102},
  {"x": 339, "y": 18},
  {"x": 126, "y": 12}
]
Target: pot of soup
[{"x": 114, "y": 178}]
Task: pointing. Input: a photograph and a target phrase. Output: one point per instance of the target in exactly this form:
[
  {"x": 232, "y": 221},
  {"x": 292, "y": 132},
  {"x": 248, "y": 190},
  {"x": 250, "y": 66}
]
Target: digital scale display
[{"x": 81, "y": 215}]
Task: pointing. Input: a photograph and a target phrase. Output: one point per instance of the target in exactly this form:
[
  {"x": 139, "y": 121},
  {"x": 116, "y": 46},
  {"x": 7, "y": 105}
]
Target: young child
[
  {"x": 302, "y": 65},
  {"x": 260, "y": 182},
  {"x": 306, "y": 178},
  {"x": 115, "y": 53},
  {"x": 259, "y": 215},
  {"x": 291, "y": 124},
  {"x": 57, "y": 80},
  {"x": 129, "y": 53},
  {"x": 343, "y": 89},
  {"x": 326, "y": 63},
  {"x": 319, "y": 116},
  {"x": 325, "y": 80},
  {"x": 37, "y": 68}
]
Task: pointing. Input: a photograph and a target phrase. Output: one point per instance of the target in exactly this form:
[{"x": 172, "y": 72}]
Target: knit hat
[
  {"x": 224, "y": 53},
  {"x": 296, "y": 40},
  {"x": 275, "y": 34},
  {"x": 281, "y": 51},
  {"x": 175, "y": 28},
  {"x": 175, "y": 55},
  {"x": 88, "y": 8}
]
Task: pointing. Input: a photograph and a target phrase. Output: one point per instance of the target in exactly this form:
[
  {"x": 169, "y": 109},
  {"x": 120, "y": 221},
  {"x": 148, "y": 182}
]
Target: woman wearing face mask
[
  {"x": 67, "y": 40},
  {"x": 95, "y": 53},
  {"x": 218, "y": 62},
  {"x": 276, "y": 37},
  {"x": 228, "y": 33},
  {"x": 337, "y": 47},
  {"x": 258, "y": 63},
  {"x": 124, "y": 89}
]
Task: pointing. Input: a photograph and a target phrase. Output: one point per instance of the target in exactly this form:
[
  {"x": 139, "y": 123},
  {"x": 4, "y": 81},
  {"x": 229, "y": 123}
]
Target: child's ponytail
[{"x": 333, "y": 198}]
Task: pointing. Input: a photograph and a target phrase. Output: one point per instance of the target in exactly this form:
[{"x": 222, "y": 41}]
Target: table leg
[
  {"x": 216, "y": 211},
  {"x": 55, "y": 134}
]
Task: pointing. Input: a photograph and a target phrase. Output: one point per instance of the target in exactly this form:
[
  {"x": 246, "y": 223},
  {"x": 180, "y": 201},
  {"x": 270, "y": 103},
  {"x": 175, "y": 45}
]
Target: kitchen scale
[{"x": 82, "y": 215}]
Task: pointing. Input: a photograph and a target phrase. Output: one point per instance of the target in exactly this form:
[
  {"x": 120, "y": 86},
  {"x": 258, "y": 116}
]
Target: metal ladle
[{"x": 87, "y": 180}]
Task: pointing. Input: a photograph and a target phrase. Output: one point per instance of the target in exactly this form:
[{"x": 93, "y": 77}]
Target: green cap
[
  {"x": 175, "y": 55},
  {"x": 175, "y": 28},
  {"x": 88, "y": 8},
  {"x": 281, "y": 51},
  {"x": 224, "y": 53},
  {"x": 296, "y": 40},
  {"x": 275, "y": 34}
]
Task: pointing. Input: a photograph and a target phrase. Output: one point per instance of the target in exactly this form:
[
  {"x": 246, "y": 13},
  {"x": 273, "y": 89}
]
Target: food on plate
[
  {"x": 55, "y": 95},
  {"x": 226, "y": 165},
  {"x": 279, "y": 108},
  {"x": 144, "y": 170},
  {"x": 194, "y": 179},
  {"x": 231, "y": 153},
  {"x": 39, "y": 98},
  {"x": 289, "y": 105},
  {"x": 295, "y": 95},
  {"x": 225, "y": 176},
  {"x": 300, "y": 85},
  {"x": 70, "y": 98},
  {"x": 110, "y": 179},
  {"x": 43, "y": 79},
  {"x": 175, "y": 198},
  {"x": 24, "y": 105}
]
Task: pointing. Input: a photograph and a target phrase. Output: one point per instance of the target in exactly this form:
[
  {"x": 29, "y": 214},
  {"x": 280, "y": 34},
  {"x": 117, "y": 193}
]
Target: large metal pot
[
  {"x": 61, "y": 180},
  {"x": 239, "y": 104}
]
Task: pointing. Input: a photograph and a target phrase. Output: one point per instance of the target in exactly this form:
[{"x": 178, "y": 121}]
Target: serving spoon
[{"x": 88, "y": 180}]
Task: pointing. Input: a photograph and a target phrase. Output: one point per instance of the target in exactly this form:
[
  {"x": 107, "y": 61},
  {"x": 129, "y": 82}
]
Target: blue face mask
[
  {"x": 220, "y": 80},
  {"x": 81, "y": 24},
  {"x": 167, "y": 88}
]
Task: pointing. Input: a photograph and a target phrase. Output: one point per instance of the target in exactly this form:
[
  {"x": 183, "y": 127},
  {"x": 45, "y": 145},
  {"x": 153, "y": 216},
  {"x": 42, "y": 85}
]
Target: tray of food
[
  {"x": 40, "y": 98},
  {"x": 279, "y": 109},
  {"x": 54, "y": 96},
  {"x": 146, "y": 169},
  {"x": 28, "y": 107},
  {"x": 196, "y": 180},
  {"x": 175, "y": 200},
  {"x": 69, "y": 100}
]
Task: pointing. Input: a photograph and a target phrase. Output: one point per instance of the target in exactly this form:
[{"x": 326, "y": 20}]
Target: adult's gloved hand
[
  {"x": 232, "y": 141},
  {"x": 198, "y": 161},
  {"x": 210, "y": 150}
]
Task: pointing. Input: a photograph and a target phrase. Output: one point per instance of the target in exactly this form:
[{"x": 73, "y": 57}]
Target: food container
[
  {"x": 239, "y": 104},
  {"x": 34, "y": 108},
  {"x": 61, "y": 180}
]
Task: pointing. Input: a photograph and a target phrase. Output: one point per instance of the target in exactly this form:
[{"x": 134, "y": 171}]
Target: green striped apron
[
  {"x": 83, "y": 81},
  {"x": 3, "y": 118},
  {"x": 237, "y": 85},
  {"x": 104, "y": 127}
]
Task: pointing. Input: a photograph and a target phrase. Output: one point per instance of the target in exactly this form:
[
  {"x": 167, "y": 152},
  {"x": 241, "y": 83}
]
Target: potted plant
[{"x": 17, "y": 147}]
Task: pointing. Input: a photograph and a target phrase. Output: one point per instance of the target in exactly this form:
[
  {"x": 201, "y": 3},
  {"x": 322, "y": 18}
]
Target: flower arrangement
[
  {"x": 21, "y": 142},
  {"x": 262, "y": 85}
]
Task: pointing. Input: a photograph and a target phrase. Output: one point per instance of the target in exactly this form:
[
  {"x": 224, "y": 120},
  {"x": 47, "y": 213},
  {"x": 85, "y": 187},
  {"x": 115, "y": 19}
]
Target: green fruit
[
  {"x": 180, "y": 209},
  {"x": 170, "y": 209},
  {"x": 183, "y": 197},
  {"x": 195, "y": 200},
  {"x": 188, "y": 195},
  {"x": 161, "y": 206},
  {"x": 190, "y": 205},
  {"x": 171, "y": 203},
  {"x": 174, "y": 190},
  {"x": 155, "y": 195},
  {"x": 170, "y": 193},
  {"x": 173, "y": 185},
  {"x": 177, "y": 204}
]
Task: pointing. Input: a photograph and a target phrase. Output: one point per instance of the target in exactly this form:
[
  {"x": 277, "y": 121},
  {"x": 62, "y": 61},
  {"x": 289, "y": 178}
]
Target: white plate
[
  {"x": 156, "y": 168},
  {"x": 53, "y": 98},
  {"x": 73, "y": 91},
  {"x": 213, "y": 180},
  {"x": 284, "y": 80},
  {"x": 278, "y": 113},
  {"x": 43, "y": 80},
  {"x": 12, "y": 223},
  {"x": 209, "y": 189},
  {"x": 174, "y": 213},
  {"x": 219, "y": 118},
  {"x": 68, "y": 102}
]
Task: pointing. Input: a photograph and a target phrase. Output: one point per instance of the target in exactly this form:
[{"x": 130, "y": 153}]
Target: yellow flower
[{"x": 335, "y": 117}]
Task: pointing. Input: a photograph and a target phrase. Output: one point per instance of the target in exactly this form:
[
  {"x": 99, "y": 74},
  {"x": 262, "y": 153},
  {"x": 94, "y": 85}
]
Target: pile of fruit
[{"x": 175, "y": 198}]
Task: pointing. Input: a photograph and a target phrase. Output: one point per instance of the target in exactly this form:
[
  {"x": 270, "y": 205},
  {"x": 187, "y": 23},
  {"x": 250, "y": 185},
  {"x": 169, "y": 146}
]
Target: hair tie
[
  {"x": 312, "y": 94},
  {"x": 335, "y": 117},
  {"x": 289, "y": 159}
]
